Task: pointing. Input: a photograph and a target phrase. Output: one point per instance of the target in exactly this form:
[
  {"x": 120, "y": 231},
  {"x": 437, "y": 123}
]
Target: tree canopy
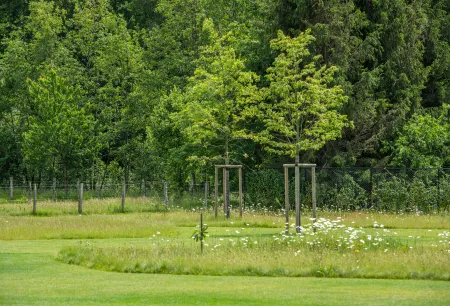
[{"x": 147, "y": 89}]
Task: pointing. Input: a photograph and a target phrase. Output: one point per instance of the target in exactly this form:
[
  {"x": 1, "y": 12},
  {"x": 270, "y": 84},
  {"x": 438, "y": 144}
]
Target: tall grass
[
  {"x": 333, "y": 250},
  {"x": 263, "y": 260}
]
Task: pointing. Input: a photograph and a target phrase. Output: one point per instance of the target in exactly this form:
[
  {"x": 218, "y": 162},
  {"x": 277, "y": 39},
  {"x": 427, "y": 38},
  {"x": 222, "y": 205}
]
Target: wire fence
[
  {"x": 337, "y": 189},
  {"x": 384, "y": 189}
]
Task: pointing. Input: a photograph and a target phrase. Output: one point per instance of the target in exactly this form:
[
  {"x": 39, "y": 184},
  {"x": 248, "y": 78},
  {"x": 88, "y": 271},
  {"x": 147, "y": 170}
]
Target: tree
[
  {"x": 114, "y": 77},
  {"x": 60, "y": 132},
  {"x": 210, "y": 106},
  {"x": 422, "y": 143},
  {"x": 300, "y": 106}
]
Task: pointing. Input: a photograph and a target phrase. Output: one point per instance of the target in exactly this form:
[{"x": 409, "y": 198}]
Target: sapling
[{"x": 200, "y": 233}]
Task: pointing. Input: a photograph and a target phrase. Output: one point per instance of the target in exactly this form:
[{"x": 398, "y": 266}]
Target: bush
[{"x": 265, "y": 187}]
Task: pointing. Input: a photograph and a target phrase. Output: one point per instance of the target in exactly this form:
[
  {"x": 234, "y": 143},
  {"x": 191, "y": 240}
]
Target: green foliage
[
  {"x": 422, "y": 143},
  {"x": 265, "y": 187},
  {"x": 171, "y": 86},
  {"x": 300, "y": 106},
  {"x": 351, "y": 195},
  {"x": 60, "y": 131},
  {"x": 392, "y": 193},
  {"x": 200, "y": 234},
  {"x": 210, "y": 105}
]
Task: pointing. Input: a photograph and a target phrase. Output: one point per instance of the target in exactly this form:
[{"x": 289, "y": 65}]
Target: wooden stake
[
  {"x": 216, "y": 191},
  {"x": 30, "y": 192},
  {"x": 224, "y": 190},
  {"x": 35, "y": 199},
  {"x": 313, "y": 195},
  {"x": 240, "y": 192},
  {"x": 11, "y": 188},
  {"x": 54, "y": 190},
  {"x": 286, "y": 197},
  {"x": 206, "y": 194},
  {"x": 80, "y": 198},
  {"x": 145, "y": 188},
  {"x": 166, "y": 193},
  {"x": 297, "y": 200},
  {"x": 124, "y": 190}
]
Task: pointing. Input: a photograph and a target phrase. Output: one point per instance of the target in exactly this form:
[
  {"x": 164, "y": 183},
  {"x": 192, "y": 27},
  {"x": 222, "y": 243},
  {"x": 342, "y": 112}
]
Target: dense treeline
[{"x": 167, "y": 88}]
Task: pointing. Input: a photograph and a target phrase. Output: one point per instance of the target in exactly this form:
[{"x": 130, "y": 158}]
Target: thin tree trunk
[
  {"x": 227, "y": 180},
  {"x": 297, "y": 192}
]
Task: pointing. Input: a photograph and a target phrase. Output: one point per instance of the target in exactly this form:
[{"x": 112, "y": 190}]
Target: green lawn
[{"x": 31, "y": 274}]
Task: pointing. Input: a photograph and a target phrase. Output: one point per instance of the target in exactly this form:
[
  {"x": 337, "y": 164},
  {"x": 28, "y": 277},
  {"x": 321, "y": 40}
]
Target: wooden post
[
  {"x": 297, "y": 167},
  {"x": 227, "y": 193},
  {"x": 297, "y": 200},
  {"x": 224, "y": 190},
  {"x": 240, "y": 192},
  {"x": 371, "y": 188},
  {"x": 145, "y": 188},
  {"x": 438, "y": 202},
  {"x": 313, "y": 195},
  {"x": 30, "y": 192},
  {"x": 206, "y": 194},
  {"x": 99, "y": 191},
  {"x": 286, "y": 197},
  {"x": 216, "y": 191},
  {"x": 11, "y": 188},
  {"x": 166, "y": 193},
  {"x": 35, "y": 199},
  {"x": 54, "y": 190},
  {"x": 80, "y": 198},
  {"x": 124, "y": 190}
]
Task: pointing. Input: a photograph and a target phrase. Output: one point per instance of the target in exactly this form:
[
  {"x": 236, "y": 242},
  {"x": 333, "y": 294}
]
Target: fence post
[
  {"x": 80, "y": 198},
  {"x": 54, "y": 190},
  {"x": 30, "y": 192},
  {"x": 11, "y": 188},
  {"x": 34, "y": 199},
  {"x": 206, "y": 194},
  {"x": 124, "y": 190},
  {"x": 99, "y": 191},
  {"x": 166, "y": 193},
  {"x": 438, "y": 203},
  {"x": 145, "y": 188}
]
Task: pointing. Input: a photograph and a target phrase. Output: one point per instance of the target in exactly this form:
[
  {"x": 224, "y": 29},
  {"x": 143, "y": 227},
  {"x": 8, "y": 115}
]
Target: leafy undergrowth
[{"x": 335, "y": 250}]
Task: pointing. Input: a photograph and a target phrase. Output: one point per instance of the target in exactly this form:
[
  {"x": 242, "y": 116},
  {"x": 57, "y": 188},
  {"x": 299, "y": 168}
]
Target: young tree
[
  {"x": 300, "y": 106},
  {"x": 211, "y": 104}
]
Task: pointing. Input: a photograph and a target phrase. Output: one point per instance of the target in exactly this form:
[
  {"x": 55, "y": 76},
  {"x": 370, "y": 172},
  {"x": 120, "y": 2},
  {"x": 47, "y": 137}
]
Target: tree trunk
[
  {"x": 297, "y": 192},
  {"x": 226, "y": 195}
]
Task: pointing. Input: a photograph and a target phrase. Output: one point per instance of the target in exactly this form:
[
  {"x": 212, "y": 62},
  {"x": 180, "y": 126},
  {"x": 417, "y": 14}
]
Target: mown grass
[{"x": 30, "y": 276}]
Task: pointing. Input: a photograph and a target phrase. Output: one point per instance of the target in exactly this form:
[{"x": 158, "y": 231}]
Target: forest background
[{"x": 165, "y": 89}]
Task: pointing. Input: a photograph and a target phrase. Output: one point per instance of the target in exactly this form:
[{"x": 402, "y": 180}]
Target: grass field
[{"x": 245, "y": 261}]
